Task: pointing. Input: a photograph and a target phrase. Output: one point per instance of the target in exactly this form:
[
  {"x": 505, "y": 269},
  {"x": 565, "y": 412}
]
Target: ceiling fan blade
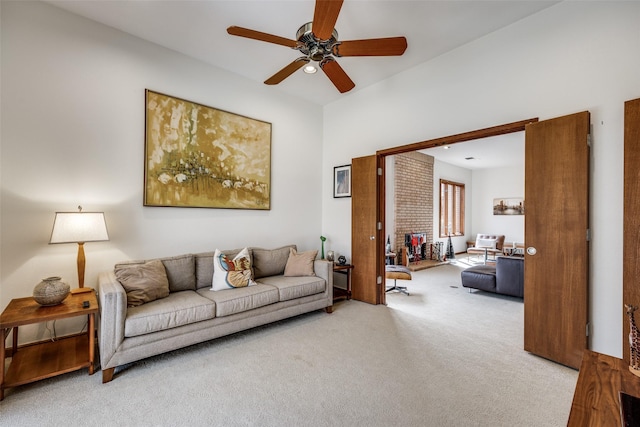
[
  {"x": 325, "y": 16},
  {"x": 257, "y": 35},
  {"x": 336, "y": 74},
  {"x": 391, "y": 46},
  {"x": 287, "y": 71}
]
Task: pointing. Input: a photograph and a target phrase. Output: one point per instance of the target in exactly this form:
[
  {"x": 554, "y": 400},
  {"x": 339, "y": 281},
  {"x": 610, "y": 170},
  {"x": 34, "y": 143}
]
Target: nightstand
[{"x": 45, "y": 359}]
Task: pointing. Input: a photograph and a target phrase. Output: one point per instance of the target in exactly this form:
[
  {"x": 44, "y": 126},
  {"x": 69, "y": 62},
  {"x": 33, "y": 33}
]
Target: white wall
[
  {"x": 490, "y": 184},
  {"x": 73, "y": 133},
  {"x": 571, "y": 57}
]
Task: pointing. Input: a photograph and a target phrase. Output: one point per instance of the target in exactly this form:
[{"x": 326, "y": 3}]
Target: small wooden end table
[
  {"x": 45, "y": 359},
  {"x": 596, "y": 401},
  {"x": 339, "y": 293}
]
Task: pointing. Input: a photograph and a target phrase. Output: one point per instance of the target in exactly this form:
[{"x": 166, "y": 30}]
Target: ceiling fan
[{"x": 318, "y": 41}]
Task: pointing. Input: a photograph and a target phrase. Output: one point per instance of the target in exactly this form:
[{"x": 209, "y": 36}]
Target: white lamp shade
[{"x": 79, "y": 227}]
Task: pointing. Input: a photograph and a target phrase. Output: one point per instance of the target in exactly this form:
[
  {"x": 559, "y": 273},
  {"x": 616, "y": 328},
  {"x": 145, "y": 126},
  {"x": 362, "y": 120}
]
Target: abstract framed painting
[
  {"x": 200, "y": 156},
  {"x": 342, "y": 181}
]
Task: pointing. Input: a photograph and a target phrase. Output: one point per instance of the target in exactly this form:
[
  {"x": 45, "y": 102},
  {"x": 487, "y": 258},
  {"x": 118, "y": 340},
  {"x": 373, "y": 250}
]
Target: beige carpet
[{"x": 440, "y": 357}]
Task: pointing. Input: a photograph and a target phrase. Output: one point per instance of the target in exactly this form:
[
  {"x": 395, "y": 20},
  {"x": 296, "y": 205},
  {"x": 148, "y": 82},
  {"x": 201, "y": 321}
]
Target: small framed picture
[
  {"x": 342, "y": 181},
  {"x": 508, "y": 206}
]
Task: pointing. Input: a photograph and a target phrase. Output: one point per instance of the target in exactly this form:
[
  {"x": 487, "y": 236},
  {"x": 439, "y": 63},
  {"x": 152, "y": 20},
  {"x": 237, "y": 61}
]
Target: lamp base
[{"x": 81, "y": 290}]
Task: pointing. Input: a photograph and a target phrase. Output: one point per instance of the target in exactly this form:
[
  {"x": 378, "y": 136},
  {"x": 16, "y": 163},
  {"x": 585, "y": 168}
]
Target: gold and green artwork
[{"x": 199, "y": 156}]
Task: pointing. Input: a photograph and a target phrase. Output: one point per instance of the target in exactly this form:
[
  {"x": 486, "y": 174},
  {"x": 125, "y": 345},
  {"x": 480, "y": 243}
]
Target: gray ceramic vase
[{"x": 51, "y": 291}]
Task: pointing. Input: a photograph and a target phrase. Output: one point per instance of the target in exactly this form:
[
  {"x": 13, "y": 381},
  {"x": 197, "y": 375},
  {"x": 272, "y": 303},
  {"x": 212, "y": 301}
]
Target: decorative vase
[
  {"x": 51, "y": 291},
  {"x": 322, "y": 239},
  {"x": 330, "y": 255}
]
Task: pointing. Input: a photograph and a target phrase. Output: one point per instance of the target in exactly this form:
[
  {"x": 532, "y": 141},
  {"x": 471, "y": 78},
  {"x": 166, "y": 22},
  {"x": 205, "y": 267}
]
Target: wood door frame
[{"x": 381, "y": 155}]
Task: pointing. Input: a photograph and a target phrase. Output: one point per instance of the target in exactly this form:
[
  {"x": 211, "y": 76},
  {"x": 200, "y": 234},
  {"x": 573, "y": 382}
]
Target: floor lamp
[{"x": 79, "y": 227}]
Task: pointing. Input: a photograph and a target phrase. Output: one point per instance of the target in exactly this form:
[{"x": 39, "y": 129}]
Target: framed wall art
[
  {"x": 342, "y": 181},
  {"x": 199, "y": 156},
  {"x": 508, "y": 206}
]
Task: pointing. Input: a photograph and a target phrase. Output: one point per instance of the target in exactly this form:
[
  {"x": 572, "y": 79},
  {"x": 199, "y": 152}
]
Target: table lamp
[{"x": 79, "y": 227}]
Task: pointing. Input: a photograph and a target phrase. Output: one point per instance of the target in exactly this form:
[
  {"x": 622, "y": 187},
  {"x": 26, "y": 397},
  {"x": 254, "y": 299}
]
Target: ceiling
[
  {"x": 485, "y": 153},
  {"x": 198, "y": 29}
]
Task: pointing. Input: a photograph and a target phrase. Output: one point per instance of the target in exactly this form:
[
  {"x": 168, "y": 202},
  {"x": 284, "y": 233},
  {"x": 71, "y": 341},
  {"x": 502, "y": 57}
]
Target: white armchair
[{"x": 487, "y": 245}]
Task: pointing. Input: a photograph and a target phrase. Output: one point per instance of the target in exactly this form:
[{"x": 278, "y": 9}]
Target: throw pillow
[
  {"x": 487, "y": 243},
  {"x": 270, "y": 262},
  {"x": 231, "y": 273},
  {"x": 144, "y": 282},
  {"x": 300, "y": 264}
]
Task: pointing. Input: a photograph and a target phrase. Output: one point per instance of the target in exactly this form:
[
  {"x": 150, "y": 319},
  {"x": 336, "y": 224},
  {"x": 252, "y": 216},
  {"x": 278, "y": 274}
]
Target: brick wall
[{"x": 413, "y": 200}]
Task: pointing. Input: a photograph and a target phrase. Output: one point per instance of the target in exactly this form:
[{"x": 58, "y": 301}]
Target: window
[{"x": 451, "y": 208}]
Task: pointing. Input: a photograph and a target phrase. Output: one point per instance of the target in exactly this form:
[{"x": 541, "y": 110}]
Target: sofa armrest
[
  {"x": 510, "y": 276},
  {"x": 324, "y": 269},
  {"x": 113, "y": 312}
]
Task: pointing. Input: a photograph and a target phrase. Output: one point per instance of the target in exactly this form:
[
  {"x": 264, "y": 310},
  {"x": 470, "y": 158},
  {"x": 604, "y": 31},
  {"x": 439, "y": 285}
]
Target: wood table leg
[
  {"x": 5, "y": 332},
  {"x": 92, "y": 343},
  {"x": 15, "y": 340}
]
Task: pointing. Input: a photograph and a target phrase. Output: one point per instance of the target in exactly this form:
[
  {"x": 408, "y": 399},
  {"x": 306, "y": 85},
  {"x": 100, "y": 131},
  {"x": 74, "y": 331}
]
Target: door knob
[
  {"x": 372, "y": 237},
  {"x": 531, "y": 250}
]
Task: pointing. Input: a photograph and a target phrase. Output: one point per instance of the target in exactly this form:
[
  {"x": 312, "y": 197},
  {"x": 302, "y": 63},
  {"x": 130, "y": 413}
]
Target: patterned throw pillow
[{"x": 231, "y": 273}]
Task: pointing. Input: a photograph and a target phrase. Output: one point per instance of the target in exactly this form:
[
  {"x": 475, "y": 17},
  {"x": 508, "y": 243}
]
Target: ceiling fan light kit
[
  {"x": 310, "y": 69},
  {"x": 318, "y": 42}
]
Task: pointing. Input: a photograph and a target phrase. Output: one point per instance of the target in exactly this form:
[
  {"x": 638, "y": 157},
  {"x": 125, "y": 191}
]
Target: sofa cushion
[
  {"x": 300, "y": 264},
  {"x": 204, "y": 269},
  {"x": 481, "y": 277},
  {"x": 232, "y": 301},
  {"x": 229, "y": 273},
  {"x": 295, "y": 287},
  {"x": 270, "y": 262},
  {"x": 181, "y": 272},
  {"x": 178, "y": 309}
]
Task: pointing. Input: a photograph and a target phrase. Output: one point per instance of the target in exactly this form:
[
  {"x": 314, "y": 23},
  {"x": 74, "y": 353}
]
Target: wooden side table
[
  {"x": 339, "y": 293},
  {"x": 596, "y": 401},
  {"x": 37, "y": 361}
]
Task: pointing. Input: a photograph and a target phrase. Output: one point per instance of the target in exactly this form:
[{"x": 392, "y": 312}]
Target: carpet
[{"x": 439, "y": 357}]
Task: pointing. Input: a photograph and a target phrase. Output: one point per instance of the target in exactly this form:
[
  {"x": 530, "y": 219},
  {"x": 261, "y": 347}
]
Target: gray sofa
[
  {"x": 506, "y": 277},
  {"x": 193, "y": 313}
]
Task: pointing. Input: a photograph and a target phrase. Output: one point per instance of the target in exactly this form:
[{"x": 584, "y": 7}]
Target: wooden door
[
  {"x": 631, "y": 254},
  {"x": 556, "y": 229},
  {"x": 364, "y": 286}
]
